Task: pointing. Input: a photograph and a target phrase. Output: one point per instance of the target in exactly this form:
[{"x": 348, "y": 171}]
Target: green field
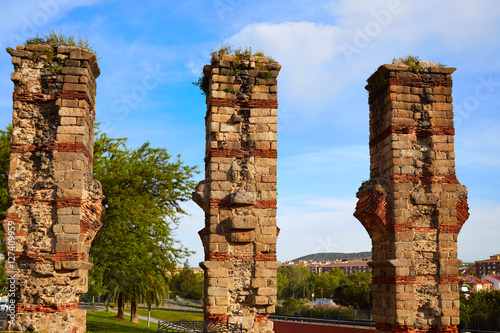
[
  {"x": 171, "y": 315},
  {"x": 103, "y": 321}
]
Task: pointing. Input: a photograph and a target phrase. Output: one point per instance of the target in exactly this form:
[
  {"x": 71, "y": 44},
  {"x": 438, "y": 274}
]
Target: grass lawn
[
  {"x": 170, "y": 315},
  {"x": 102, "y": 321}
]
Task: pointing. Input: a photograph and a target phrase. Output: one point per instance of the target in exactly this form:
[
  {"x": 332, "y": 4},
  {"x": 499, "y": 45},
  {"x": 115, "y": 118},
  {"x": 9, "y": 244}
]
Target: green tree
[
  {"x": 187, "y": 283},
  {"x": 282, "y": 284},
  {"x": 143, "y": 189},
  {"x": 5, "y": 201}
]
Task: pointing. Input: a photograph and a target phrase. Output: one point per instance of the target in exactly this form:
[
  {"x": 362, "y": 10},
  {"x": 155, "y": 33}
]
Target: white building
[{"x": 494, "y": 279}]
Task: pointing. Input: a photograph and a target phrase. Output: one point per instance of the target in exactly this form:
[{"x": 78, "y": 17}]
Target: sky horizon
[{"x": 327, "y": 49}]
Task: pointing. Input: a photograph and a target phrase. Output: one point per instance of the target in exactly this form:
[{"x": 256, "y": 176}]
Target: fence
[{"x": 198, "y": 327}]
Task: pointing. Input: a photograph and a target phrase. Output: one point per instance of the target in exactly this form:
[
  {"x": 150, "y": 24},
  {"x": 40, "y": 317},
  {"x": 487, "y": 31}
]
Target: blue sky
[{"x": 152, "y": 50}]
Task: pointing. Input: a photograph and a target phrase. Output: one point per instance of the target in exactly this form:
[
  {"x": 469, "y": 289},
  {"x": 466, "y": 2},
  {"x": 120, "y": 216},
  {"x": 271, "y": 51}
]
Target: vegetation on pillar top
[
  {"x": 54, "y": 39},
  {"x": 240, "y": 54},
  {"x": 414, "y": 62}
]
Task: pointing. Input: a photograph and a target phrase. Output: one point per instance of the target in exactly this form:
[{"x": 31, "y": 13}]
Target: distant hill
[{"x": 332, "y": 256}]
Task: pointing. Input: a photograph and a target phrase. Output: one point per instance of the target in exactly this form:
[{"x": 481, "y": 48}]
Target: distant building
[
  {"x": 491, "y": 266},
  {"x": 324, "y": 302},
  {"x": 494, "y": 279},
  {"x": 481, "y": 285},
  {"x": 327, "y": 266}
]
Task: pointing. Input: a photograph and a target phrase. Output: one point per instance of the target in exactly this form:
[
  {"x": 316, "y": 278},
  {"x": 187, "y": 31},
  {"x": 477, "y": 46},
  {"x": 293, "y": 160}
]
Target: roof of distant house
[{"x": 495, "y": 276}]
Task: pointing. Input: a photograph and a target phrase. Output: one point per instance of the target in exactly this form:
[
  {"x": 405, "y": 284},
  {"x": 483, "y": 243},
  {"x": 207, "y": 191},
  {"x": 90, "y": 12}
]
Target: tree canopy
[
  {"x": 135, "y": 247},
  {"x": 5, "y": 201},
  {"x": 352, "y": 290}
]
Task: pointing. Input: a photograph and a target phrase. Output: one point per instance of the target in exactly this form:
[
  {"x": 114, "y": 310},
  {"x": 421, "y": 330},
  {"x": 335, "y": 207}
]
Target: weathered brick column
[
  {"x": 56, "y": 204},
  {"x": 238, "y": 194},
  {"x": 413, "y": 205}
]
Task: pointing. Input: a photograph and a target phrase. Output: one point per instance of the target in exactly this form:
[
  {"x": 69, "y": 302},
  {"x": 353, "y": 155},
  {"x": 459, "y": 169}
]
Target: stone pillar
[
  {"x": 56, "y": 204},
  {"x": 413, "y": 206},
  {"x": 238, "y": 194}
]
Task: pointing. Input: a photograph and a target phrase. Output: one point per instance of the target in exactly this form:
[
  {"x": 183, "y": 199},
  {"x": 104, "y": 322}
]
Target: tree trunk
[
  {"x": 134, "y": 310},
  {"x": 121, "y": 305},
  {"x": 149, "y": 314}
]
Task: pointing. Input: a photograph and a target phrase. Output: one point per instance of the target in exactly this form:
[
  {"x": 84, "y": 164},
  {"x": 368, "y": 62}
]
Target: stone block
[
  {"x": 68, "y": 238},
  {"x": 243, "y": 197},
  {"x": 243, "y": 222},
  {"x": 217, "y": 291},
  {"x": 71, "y": 228},
  {"x": 81, "y": 54},
  {"x": 68, "y": 219},
  {"x": 74, "y": 71},
  {"x": 71, "y": 111},
  {"x": 76, "y": 87},
  {"x": 242, "y": 236}
]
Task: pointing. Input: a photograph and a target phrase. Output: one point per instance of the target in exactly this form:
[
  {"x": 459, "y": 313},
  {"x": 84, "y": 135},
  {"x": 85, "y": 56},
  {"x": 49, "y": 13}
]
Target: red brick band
[
  {"x": 259, "y": 318},
  {"x": 425, "y": 180},
  {"x": 374, "y": 212},
  {"x": 246, "y": 103},
  {"x": 34, "y": 97},
  {"x": 26, "y": 96},
  {"x": 416, "y": 329},
  {"x": 462, "y": 212},
  {"x": 226, "y": 256},
  {"x": 214, "y": 203},
  {"x": 45, "y": 308},
  {"x": 216, "y": 318},
  {"x": 420, "y": 82},
  {"x": 60, "y": 203},
  {"x": 418, "y": 131},
  {"x": 394, "y": 280},
  {"x": 268, "y": 153},
  {"x": 50, "y": 256},
  {"x": 56, "y": 146},
  {"x": 449, "y": 279}
]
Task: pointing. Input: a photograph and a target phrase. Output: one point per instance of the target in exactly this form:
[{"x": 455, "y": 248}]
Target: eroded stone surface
[
  {"x": 238, "y": 194},
  {"x": 413, "y": 206},
  {"x": 56, "y": 203}
]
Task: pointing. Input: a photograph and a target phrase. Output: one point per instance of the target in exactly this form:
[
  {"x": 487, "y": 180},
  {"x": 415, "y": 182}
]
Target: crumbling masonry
[
  {"x": 238, "y": 194},
  {"x": 413, "y": 206},
  {"x": 56, "y": 204}
]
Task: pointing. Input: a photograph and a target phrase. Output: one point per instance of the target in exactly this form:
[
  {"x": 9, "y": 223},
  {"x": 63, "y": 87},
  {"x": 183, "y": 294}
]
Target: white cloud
[
  {"x": 319, "y": 224},
  {"x": 322, "y": 62},
  {"x": 478, "y": 238},
  {"x": 187, "y": 233}
]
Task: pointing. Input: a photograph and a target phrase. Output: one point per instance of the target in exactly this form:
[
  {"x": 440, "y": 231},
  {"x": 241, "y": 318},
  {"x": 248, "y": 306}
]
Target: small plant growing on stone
[
  {"x": 265, "y": 74},
  {"x": 59, "y": 39},
  {"x": 257, "y": 82},
  {"x": 411, "y": 61},
  {"x": 202, "y": 83},
  {"x": 224, "y": 49},
  {"x": 230, "y": 90},
  {"x": 56, "y": 67}
]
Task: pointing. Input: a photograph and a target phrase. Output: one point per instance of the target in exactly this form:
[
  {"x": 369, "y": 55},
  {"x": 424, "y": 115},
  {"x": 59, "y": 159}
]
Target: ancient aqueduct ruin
[{"x": 412, "y": 207}]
